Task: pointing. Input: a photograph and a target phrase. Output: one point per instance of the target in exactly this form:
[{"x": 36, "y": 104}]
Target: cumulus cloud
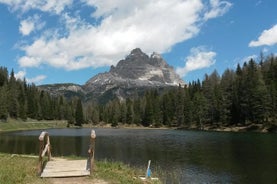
[
  {"x": 26, "y": 27},
  {"x": 20, "y": 75},
  {"x": 53, "y": 6},
  {"x": 152, "y": 25},
  {"x": 37, "y": 79},
  {"x": 268, "y": 37},
  {"x": 199, "y": 58},
  {"x": 30, "y": 24},
  {"x": 219, "y": 8},
  {"x": 248, "y": 58},
  {"x": 242, "y": 60}
]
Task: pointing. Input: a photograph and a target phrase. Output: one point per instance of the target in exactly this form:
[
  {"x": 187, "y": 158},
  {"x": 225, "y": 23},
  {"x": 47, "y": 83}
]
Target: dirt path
[{"x": 76, "y": 180}]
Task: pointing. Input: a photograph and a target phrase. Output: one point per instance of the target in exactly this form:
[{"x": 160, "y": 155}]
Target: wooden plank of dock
[{"x": 65, "y": 168}]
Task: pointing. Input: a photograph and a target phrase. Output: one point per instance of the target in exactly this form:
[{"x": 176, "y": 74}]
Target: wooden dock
[
  {"x": 61, "y": 167},
  {"x": 65, "y": 168}
]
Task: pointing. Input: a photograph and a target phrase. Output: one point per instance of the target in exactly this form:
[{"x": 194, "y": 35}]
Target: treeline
[
  {"x": 241, "y": 97},
  {"x": 19, "y": 100}
]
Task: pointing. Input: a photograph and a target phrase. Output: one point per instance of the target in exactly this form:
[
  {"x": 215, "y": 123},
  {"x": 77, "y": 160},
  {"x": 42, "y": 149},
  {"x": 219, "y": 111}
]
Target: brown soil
[{"x": 76, "y": 180}]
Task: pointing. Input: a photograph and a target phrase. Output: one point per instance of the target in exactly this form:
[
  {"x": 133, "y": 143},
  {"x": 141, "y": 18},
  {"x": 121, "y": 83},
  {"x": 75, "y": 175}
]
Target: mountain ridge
[{"x": 134, "y": 74}]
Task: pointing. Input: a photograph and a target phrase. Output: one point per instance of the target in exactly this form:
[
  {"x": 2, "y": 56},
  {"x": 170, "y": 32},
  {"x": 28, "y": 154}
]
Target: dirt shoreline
[
  {"x": 259, "y": 128},
  {"x": 249, "y": 128},
  {"x": 76, "y": 180}
]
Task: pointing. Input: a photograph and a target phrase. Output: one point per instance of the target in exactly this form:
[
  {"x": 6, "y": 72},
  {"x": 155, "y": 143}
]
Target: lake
[{"x": 182, "y": 156}]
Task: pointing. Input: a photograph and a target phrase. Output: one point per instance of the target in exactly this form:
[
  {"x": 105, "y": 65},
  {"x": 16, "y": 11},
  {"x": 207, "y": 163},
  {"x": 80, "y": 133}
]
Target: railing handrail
[
  {"x": 91, "y": 151},
  {"x": 46, "y": 148},
  {"x": 43, "y": 149}
]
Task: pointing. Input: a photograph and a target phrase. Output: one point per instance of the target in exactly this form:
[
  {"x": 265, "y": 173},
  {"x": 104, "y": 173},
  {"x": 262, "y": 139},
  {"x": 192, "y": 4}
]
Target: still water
[{"x": 182, "y": 156}]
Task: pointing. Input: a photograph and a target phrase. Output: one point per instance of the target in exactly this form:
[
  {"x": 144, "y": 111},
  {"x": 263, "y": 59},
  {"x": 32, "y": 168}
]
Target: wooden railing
[
  {"x": 44, "y": 147},
  {"x": 91, "y": 151}
]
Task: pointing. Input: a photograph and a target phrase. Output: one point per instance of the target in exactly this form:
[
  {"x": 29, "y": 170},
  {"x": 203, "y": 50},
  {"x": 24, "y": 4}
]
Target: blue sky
[{"x": 70, "y": 41}]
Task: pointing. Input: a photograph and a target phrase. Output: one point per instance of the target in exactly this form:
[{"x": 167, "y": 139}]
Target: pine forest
[{"x": 245, "y": 96}]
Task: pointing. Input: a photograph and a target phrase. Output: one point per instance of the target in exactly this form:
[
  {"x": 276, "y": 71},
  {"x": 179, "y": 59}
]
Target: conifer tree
[
  {"x": 130, "y": 111},
  {"x": 3, "y": 76},
  {"x": 187, "y": 107},
  {"x": 227, "y": 88},
  {"x": 3, "y": 103},
  {"x": 180, "y": 106},
  {"x": 123, "y": 113},
  {"x": 79, "y": 116},
  {"x": 137, "y": 111},
  {"x": 22, "y": 99},
  {"x": 13, "y": 105}
]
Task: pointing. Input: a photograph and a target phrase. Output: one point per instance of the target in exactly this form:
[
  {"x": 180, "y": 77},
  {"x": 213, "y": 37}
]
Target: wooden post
[
  {"x": 43, "y": 149},
  {"x": 91, "y": 150}
]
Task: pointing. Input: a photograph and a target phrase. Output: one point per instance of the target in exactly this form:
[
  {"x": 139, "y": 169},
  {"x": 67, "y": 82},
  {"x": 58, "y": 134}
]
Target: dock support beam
[
  {"x": 43, "y": 149},
  {"x": 91, "y": 151}
]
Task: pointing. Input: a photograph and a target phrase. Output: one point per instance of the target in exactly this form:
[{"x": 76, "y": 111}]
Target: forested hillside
[
  {"x": 242, "y": 97},
  {"x": 19, "y": 100},
  {"x": 245, "y": 96}
]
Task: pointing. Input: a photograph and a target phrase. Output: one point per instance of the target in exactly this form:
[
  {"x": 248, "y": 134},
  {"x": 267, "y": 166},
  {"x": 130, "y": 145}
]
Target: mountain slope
[{"x": 131, "y": 76}]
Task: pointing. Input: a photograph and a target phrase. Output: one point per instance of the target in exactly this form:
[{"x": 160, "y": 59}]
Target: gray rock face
[
  {"x": 131, "y": 76},
  {"x": 136, "y": 70}
]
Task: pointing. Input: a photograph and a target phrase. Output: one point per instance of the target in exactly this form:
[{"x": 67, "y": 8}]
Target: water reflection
[{"x": 184, "y": 156}]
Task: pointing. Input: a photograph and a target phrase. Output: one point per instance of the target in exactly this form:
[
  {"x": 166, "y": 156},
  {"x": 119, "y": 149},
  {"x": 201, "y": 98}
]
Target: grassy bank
[
  {"x": 13, "y": 125},
  {"x": 18, "y": 169},
  {"x": 23, "y": 169}
]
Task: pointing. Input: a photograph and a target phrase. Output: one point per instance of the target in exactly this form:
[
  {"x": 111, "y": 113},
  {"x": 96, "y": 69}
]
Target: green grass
[
  {"x": 18, "y": 169},
  {"x": 23, "y": 169},
  {"x": 116, "y": 172},
  {"x": 13, "y": 125}
]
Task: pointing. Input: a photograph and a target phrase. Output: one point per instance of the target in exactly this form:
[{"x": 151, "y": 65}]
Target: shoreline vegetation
[
  {"x": 17, "y": 125},
  {"x": 23, "y": 168},
  {"x": 242, "y": 128},
  {"x": 16, "y": 168}
]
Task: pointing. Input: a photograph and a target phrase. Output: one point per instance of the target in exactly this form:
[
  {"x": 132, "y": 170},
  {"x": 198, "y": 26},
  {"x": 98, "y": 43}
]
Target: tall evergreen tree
[
  {"x": 227, "y": 88},
  {"x": 3, "y": 76},
  {"x": 13, "y": 105},
  {"x": 3, "y": 103},
  {"x": 212, "y": 93},
  {"x": 180, "y": 106},
  {"x": 199, "y": 109},
  {"x": 22, "y": 99},
  {"x": 79, "y": 116},
  {"x": 258, "y": 95},
  {"x": 188, "y": 107},
  {"x": 130, "y": 111}
]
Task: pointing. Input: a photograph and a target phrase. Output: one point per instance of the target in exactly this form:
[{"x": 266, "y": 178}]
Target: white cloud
[
  {"x": 20, "y": 75},
  {"x": 199, "y": 58},
  {"x": 37, "y": 79},
  {"x": 248, "y": 58},
  {"x": 268, "y": 37},
  {"x": 30, "y": 24},
  {"x": 26, "y": 27},
  {"x": 218, "y": 8},
  {"x": 28, "y": 62},
  {"x": 152, "y": 25},
  {"x": 53, "y": 6}
]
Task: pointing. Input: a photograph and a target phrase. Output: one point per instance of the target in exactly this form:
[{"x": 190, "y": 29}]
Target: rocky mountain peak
[
  {"x": 131, "y": 76},
  {"x": 137, "y": 69},
  {"x": 137, "y": 51}
]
